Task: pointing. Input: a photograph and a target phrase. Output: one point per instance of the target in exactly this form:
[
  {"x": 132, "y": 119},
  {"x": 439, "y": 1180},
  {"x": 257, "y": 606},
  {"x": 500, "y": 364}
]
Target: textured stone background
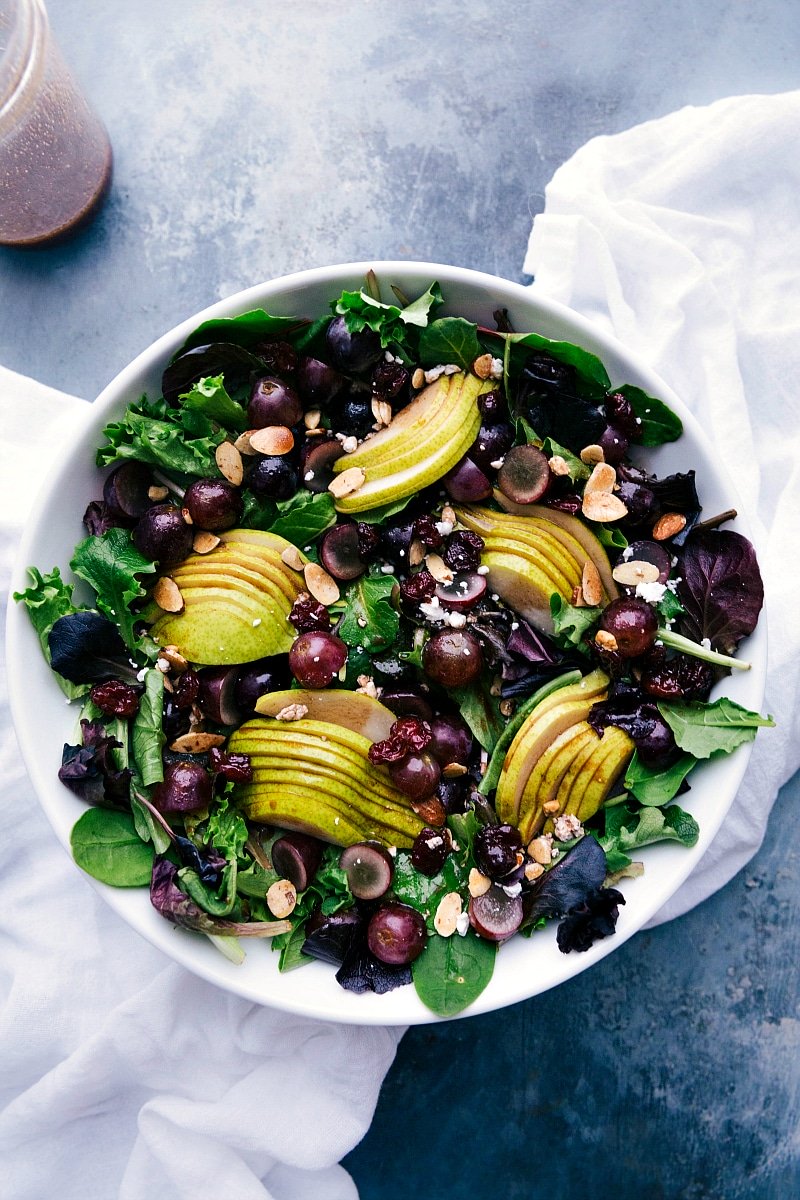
[{"x": 257, "y": 137}]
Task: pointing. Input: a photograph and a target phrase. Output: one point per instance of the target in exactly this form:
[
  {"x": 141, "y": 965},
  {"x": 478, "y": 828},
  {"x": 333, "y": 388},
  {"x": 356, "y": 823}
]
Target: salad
[{"x": 387, "y": 649}]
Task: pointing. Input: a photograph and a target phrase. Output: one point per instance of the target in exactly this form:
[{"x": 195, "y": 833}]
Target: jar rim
[{"x": 21, "y": 59}]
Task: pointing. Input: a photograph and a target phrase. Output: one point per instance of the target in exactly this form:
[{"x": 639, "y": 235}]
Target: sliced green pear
[
  {"x": 571, "y": 525},
  {"x": 524, "y": 586},
  {"x": 599, "y": 773},
  {"x": 363, "y": 714},
  {"x": 483, "y": 519},
  {"x": 421, "y": 445},
  {"x": 557, "y": 712},
  {"x": 565, "y": 573},
  {"x": 318, "y": 779},
  {"x": 543, "y": 783},
  {"x": 236, "y": 601},
  {"x": 582, "y": 754}
]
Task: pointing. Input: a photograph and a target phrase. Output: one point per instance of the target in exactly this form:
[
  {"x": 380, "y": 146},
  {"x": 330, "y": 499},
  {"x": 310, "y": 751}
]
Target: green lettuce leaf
[
  {"x": 570, "y": 623},
  {"x": 481, "y": 711},
  {"x": 110, "y": 564},
  {"x": 47, "y": 599},
  {"x": 391, "y": 322},
  {"x": 719, "y": 727},
  {"x": 209, "y": 397},
  {"x": 628, "y": 829},
  {"x": 175, "y": 439},
  {"x": 244, "y": 330}
]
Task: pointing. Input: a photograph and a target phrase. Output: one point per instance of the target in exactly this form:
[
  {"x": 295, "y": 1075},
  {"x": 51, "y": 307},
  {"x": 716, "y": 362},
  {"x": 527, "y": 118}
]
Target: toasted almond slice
[
  {"x": 606, "y": 640},
  {"x": 591, "y": 584},
  {"x": 366, "y": 686},
  {"x": 577, "y": 597},
  {"x": 281, "y": 898},
  {"x": 482, "y": 367},
  {"x": 551, "y": 806},
  {"x": 438, "y": 568},
  {"x": 242, "y": 442},
  {"x": 431, "y": 810},
  {"x": 592, "y": 454},
  {"x": 533, "y": 870},
  {"x": 449, "y": 516},
  {"x": 272, "y": 439},
  {"x": 603, "y": 506},
  {"x": 558, "y": 465},
  {"x": 454, "y": 770},
  {"x": 229, "y": 461},
  {"x": 312, "y": 418},
  {"x": 418, "y": 378},
  {"x": 541, "y": 850},
  {"x": 382, "y": 412},
  {"x": 349, "y": 481},
  {"x": 157, "y": 492},
  {"x": 204, "y": 542},
  {"x": 175, "y": 659},
  {"x": 479, "y": 883},
  {"x": 197, "y": 742},
  {"x": 635, "y": 571},
  {"x": 187, "y": 516},
  {"x": 668, "y": 525},
  {"x": 293, "y": 558},
  {"x": 416, "y": 553},
  {"x": 447, "y": 914},
  {"x": 323, "y": 587},
  {"x": 602, "y": 479},
  {"x": 167, "y": 595}
]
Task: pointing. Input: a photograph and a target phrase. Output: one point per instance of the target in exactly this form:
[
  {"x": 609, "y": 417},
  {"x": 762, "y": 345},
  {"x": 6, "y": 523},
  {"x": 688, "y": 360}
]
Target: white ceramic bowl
[{"x": 43, "y": 721}]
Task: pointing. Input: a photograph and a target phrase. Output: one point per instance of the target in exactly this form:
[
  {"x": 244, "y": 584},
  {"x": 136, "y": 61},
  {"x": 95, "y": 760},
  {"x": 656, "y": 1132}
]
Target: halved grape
[
  {"x": 466, "y": 483},
  {"x": 525, "y": 475},
  {"x": 466, "y": 589},
  {"x": 217, "y": 696},
  {"x": 339, "y": 552},
  {"x": 317, "y": 457},
  {"x": 369, "y": 869},
  {"x": 396, "y": 934},
  {"x": 495, "y": 915},
  {"x": 126, "y": 489},
  {"x": 296, "y": 857},
  {"x": 649, "y": 552},
  {"x": 403, "y": 702},
  {"x": 258, "y": 678}
]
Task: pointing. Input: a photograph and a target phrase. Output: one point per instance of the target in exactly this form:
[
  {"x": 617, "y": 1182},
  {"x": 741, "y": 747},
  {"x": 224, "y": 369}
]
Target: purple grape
[
  {"x": 464, "y": 592},
  {"x": 491, "y": 444},
  {"x": 317, "y": 382},
  {"x": 296, "y": 857},
  {"x": 452, "y": 658},
  {"x": 431, "y": 848},
  {"x": 494, "y": 915},
  {"x": 466, "y": 483},
  {"x": 396, "y": 934},
  {"x": 369, "y": 868},
  {"x": 614, "y": 445},
  {"x": 186, "y": 787},
  {"x": 493, "y": 407},
  {"x": 496, "y": 849},
  {"x": 273, "y": 402},
  {"x": 649, "y": 552},
  {"x": 258, "y": 678},
  {"x": 163, "y": 535},
  {"x": 126, "y": 490},
  {"x": 632, "y": 623},
  {"x": 213, "y": 504},
  {"x": 416, "y": 775},
  {"x": 273, "y": 477},
  {"x": 317, "y": 458},
  {"x": 404, "y": 702},
  {"x": 217, "y": 694},
  {"x": 352, "y": 352},
  {"x": 339, "y": 554},
  {"x": 451, "y": 741},
  {"x": 316, "y": 658}
]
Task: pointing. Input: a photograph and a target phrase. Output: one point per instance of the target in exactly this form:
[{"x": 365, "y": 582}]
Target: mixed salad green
[{"x": 391, "y": 650}]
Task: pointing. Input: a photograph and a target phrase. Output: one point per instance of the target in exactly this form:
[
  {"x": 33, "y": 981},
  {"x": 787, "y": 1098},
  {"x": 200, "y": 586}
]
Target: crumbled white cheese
[
  {"x": 497, "y": 369},
  {"x": 387, "y": 569},
  {"x": 432, "y": 610},
  {"x": 483, "y": 570},
  {"x": 567, "y": 827},
  {"x": 706, "y": 643},
  {"x": 512, "y": 889},
  {"x": 445, "y": 527},
  {"x": 456, "y": 620},
  {"x": 445, "y": 369},
  {"x": 651, "y": 592},
  {"x": 627, "y": 553}
]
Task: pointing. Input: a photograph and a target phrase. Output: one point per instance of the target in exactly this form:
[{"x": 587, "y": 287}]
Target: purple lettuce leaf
[
  {"x": 720, "y": 588},
  {"x": 90, "y": 771}
]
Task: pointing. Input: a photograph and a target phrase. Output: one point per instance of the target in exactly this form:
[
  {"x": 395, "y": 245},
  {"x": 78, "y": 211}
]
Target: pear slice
[
  {"x": 481, "y": 519},
  {"x": 524, "y": 586},
  {"x": 564, "y": 573},
  {"x": 582, "y": 754},
  {"x": 599, "y": 773},
  {"x": 363, "y": 714},
  {"x": 544, "y": 781},
  {"x": 410, "y": 454},
  {"x": 557, "y": 712}
]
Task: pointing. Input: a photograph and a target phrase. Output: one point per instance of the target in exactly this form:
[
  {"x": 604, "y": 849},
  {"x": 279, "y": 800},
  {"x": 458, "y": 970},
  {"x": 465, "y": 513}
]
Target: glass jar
[{"x": 55, "y": 156}]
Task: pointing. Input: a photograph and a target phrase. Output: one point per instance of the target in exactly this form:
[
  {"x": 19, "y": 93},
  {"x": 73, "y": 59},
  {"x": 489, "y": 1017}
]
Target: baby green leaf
[
  {"x": 571, "y": 624},
  {"x": 704, "y": 729},
  {"x": 302, "y": 518},
  {"x": 452, "y": 972},
  {"x": 658, "y": 423},
  {"x": 47, "y": 599},
  {"x": 106, "y": 845},
  {"x": 481, "y": 712},
  {"x": 147, "y": 736},
  {"x": 209, "y": 396},
  {"x": 110, "y": 564},
  {"x": 449, "y": 340},
  {"x": 175, "y": 439},
  {"x": 652, "y": 786},
  {"x": 369, "y": 619}
]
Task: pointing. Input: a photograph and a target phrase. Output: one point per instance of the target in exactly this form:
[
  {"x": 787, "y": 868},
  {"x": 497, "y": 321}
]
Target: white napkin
[
  {"x": 120, "y": 1073},
  {"x": 682, "y": 237}
]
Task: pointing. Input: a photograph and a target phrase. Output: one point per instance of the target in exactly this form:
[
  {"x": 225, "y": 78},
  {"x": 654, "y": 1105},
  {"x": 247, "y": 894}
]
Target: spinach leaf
[
  {"x": 658, "y": 423},
  {"x": 452, "y": 972},
  {"x": 257, "y": 512},
  {"x": 110, "y": 564},
  {"x": 481, "y": 711},
  {"x": 704, "y": 729},
  {"x": 374, "y": 515},
  {"x": 571, "y": 624},
  {"x": 179, "y": 439},
  {"x": 145, "y": 824},
  {"x": 669, "y": 607},
  {"x": 47, "y": 599},
  {"x": 576, "y": 469},
  {"x": 490, "y": 779},
  {"x": 244, "y": 330},
  {"x": 304, "y": 517},
  {"x": 591, "y": 372},
  {"x": 106, "y": 845},
  {"x": 654, "y": 786},
  {"x": 449, "y": 340},
  {"x": 369, "y": 620},
  {"x": 147, "y": 736},
  {"x": 424, "y": 892},
  {"x": 209, "y": 397}
]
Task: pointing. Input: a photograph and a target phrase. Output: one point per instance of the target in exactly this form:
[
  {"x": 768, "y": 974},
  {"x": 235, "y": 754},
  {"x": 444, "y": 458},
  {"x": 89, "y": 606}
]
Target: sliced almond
[
  {"x": 323, "y": 587},
  {"x": 229, "y": 461},
  {"x": 272, "y": 439},
  {"x": 281, "y": 898},
  {"x": 606, "y": 640},
  {"x": 602, "y": 507},
  {"x": 349, "y": 481},
  {"x": 591, "y": 584},
  {"x": 431, "y": 810},
  {"x": 533, "y": 870},
  {"x": 382, "y": 412},
  {"x": 593, "y": 454},
  {"x": 205, "y": 542},
  {"x": 558, "y": 465},
  {"x": 454, "y": 770},
  {"x": 242, "y": 442},
  {"x": 602, "y": 479},
  {"x": 167, "y": 595},
  {"x": 449, "y": 516},
  {"x": 197, "y": 742},
  {"x": 482, "y": 367},
  {"x": 312, "y": 418},
  {"x": 668, "y": 525},
  {"x": 438, "y": 568},
  {"x": 156, "y": 492},
  {"x": 366, "y": 686},
  {"x": 418, "y": 378},
  {"x": 551, "y": 806},
  {"x": 541, "y": 850},
  {"x": 635, "y": 571},
  {"x": 293, "y": 558},
  {"x": 479, "y": 883},
  {"x": 416, "y": 553},
  {"x": 447, "y": 914},
  {"x": 175, "y": 659}
]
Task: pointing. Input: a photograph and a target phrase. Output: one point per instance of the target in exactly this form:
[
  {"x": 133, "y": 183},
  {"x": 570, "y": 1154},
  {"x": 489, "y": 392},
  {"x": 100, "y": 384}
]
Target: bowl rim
[{"x": 217, "y": 970}]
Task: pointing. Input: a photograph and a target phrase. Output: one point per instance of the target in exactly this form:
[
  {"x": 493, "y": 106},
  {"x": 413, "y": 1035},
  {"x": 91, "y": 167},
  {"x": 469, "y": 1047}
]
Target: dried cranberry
[
  {"x": 186, "y": 689},
  {"x": 463, "y": 551},
  {"x": 280, "y": 357},
  {"x": 389, "y": 750},
  {"x": 681, "y": 678},
  {"x": 418, "y": 587},
  {"x": 431, "y": 847},
  {"x": 415, "y": 732},
  {"x": 620, "y": 414},
  {"x": 425, "y": 529},
  {"x": 369, "y": 540},
  {"x": 493, "y": 408},
  {"x": 308, "y": 615},
  {"x": 567, "y": 504},
  {"x": 236, "y": 768},
  {"x": 115, "y": 698},
  {"x": 390, "y": 381}
]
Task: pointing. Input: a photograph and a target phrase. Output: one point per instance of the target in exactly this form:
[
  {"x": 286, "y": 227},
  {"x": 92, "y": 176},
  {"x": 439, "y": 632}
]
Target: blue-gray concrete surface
[{"x": 257, "y": 138}]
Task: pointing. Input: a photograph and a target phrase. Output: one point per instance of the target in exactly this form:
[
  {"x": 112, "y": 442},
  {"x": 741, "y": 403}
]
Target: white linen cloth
[{"x": 681, "y": 236}]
